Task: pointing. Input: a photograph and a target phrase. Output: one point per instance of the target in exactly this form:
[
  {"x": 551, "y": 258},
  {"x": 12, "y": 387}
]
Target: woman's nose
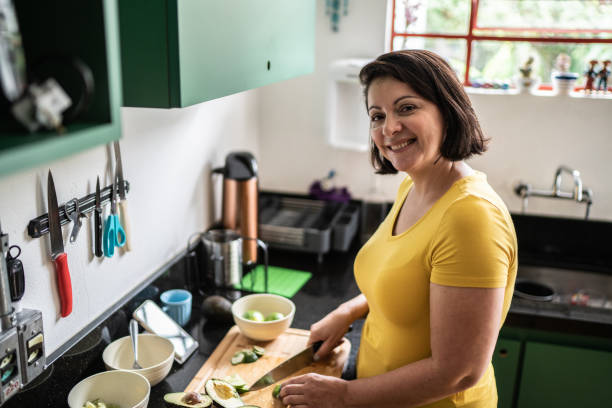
[{"x": 392, "y": 125}]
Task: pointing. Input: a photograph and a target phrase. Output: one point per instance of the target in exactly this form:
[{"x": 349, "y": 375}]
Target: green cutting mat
[{"x": 281, "y": 281}]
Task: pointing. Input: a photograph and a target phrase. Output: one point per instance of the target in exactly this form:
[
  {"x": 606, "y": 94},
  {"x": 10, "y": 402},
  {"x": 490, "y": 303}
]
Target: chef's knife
[
  {"x": 288, "y": 367},
  {"x": 122, "y": 203},
  {"x": 98, "y": 222},
  {"x": 57, "y": 250}
]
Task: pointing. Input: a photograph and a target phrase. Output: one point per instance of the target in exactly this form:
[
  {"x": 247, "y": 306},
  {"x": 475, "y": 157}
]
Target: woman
[{"x": 437, "y": 276}]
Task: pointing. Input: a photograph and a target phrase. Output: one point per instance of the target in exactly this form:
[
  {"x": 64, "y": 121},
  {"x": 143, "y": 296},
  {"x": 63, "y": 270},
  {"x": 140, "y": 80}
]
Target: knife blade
[
  {"x": 98, "y": 222},
  {"x": 58, "y": 255},
  {"x": 287, "y": 367},
  {"x": 122, "y": 202}
]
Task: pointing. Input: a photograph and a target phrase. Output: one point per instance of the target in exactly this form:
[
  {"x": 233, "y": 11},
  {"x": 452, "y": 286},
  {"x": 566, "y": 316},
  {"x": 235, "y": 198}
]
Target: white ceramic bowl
[
  {"x": 155, "y": 356},
  {"x": 125, "y": 388},
  {"x": 266, "y": 304}
]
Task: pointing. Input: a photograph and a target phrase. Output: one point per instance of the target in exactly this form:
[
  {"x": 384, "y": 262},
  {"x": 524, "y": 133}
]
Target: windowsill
[{"x": 536, "y": 93}]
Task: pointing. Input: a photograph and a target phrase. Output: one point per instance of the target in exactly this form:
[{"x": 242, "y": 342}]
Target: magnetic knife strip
[{"x": 39, "y": 226}]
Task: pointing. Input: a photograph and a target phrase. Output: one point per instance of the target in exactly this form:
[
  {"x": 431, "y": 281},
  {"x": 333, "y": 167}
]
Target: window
[{"x": 488, "y": 40}]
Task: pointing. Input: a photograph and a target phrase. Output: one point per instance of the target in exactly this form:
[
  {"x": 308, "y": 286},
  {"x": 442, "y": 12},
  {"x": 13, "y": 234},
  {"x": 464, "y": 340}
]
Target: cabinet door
[
  {"x": 506, "y": 363},
  {"x": 230, "y": 46},
  {"x": 561, "y": 376},
  {"x": 178, "y": 53}
]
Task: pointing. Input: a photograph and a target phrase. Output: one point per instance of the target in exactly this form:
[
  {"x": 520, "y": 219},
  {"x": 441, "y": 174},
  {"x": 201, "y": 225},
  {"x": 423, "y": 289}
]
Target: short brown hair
[{"x": 433, "y": 79}]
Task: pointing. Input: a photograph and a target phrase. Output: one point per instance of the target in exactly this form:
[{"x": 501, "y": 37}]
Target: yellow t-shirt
[{"x": 465, "y": 239}]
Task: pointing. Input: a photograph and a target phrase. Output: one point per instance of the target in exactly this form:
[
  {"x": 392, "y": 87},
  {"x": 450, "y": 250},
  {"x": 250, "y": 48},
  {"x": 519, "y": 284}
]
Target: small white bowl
[
  {"x": 155, "y": 356},
  {"x": 266, "y": 304},
  {"x": 124, "y": 388}
]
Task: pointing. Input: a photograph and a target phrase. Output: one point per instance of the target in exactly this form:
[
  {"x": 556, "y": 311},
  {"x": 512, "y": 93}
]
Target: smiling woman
[{"x": 438, "y": 274}]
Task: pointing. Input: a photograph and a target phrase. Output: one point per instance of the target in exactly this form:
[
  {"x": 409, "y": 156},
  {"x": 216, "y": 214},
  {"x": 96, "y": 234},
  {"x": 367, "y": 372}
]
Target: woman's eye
[
  {"x": 407, "y": 108},
  {"x": 375, "y": 117}
]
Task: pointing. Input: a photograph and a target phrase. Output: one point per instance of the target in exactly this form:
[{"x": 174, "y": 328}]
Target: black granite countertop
[{"x": 332, "y": 283}]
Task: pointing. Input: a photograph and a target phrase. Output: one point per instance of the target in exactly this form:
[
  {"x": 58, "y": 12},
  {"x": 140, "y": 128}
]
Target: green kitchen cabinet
[
  {"x": 67, "y": 28},
  {"x": 561, "y": 376},
  {"x": 177, "y": 53},
  {"x": 506, "y": 359}
]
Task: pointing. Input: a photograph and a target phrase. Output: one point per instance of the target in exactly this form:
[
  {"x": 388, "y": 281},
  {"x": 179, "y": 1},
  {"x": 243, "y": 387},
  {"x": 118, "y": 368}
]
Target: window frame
[{"x": 470, "y": 37}]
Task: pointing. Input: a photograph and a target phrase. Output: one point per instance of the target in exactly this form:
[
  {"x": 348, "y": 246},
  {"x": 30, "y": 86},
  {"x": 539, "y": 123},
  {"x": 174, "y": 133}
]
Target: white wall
[
  {"x": 531, "y": 135},
  {"x": 167, "y": 157}
]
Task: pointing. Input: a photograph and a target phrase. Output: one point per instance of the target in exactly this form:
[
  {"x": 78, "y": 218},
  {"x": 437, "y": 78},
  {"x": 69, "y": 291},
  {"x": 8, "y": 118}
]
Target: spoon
[{"x": 134, "y": 335}]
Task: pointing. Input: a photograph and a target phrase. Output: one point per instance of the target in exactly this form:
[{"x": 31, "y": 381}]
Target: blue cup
[{"x": 177, "y": 304}]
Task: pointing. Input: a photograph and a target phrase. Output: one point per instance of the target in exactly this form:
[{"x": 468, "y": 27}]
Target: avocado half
[
  {"x": 223, "y": 393},
  {"x": 187, "y": 399}
]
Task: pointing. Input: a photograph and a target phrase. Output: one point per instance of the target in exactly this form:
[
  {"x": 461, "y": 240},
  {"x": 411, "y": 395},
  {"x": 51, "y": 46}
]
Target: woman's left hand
[{"x": 314, "y": 390}]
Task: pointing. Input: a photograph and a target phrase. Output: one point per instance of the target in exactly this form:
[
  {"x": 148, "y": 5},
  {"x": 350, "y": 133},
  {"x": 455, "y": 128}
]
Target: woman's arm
[
  {"x": 333, "y": 327},
  {"x": 464, "y": 327}
]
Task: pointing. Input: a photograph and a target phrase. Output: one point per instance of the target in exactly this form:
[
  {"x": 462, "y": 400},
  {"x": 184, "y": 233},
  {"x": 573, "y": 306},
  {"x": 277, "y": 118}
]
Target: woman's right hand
[{"x": 330, "y": 331}]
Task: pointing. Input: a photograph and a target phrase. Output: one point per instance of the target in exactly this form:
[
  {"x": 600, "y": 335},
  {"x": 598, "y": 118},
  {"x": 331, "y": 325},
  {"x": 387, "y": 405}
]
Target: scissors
[{"x": 114, "y": 235}]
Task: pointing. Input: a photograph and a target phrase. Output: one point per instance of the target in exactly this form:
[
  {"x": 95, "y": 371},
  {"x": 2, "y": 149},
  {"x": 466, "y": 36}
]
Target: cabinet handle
[
  {"x": 268, "y": 65},
  {"x": 503, "y": 353}
]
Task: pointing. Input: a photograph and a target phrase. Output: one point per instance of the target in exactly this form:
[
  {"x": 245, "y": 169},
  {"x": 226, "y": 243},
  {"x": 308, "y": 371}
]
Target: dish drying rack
[{"x": 303, "y": 224}]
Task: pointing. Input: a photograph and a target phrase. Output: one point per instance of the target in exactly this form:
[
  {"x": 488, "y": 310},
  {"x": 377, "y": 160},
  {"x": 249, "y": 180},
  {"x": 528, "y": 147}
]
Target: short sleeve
[{"x": 474, "y": 246}]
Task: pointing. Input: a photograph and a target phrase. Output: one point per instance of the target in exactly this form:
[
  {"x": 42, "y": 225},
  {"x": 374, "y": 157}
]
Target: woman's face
[{"x": 406, "y": 128}]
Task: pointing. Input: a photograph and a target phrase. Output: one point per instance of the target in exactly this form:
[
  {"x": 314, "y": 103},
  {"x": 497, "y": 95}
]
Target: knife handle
[
  {"x": 125, "y": 222},
  {"x": 98, "y": 233},
  {"x": 316, "y": 346},
  {"x": 63, "y": 283}
]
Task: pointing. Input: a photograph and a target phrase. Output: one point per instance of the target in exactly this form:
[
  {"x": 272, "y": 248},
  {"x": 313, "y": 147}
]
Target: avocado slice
[
  {"x": 223, "y": 393},
  {"x": 187, "y": 399}
]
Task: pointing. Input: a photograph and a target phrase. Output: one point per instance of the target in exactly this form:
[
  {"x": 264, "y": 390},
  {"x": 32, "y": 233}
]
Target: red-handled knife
[{"x": 57, "y": 250}]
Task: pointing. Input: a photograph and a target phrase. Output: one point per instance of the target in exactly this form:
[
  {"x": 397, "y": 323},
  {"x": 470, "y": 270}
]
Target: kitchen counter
[{"x": 331, "y": 284}]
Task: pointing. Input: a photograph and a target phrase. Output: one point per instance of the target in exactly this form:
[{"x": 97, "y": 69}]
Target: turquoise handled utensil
[{"x": 114, "y": 234}]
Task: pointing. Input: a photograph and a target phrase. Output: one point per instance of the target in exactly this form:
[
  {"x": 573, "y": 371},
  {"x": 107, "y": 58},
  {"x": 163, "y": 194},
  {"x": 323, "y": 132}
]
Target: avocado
[
  {"x": 187, "y": 399},
  {"x": 237, "y": 382},
  {"x": 223, "y": 393},
  {"x": 217, "y": 308}
]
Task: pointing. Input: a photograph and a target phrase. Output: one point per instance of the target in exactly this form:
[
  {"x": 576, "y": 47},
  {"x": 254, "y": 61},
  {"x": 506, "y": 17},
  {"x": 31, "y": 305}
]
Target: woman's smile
[{"x": 401, "y": 146}]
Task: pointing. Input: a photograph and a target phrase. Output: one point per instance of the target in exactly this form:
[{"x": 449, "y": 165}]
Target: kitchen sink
[{"x": 573, "y": 294}]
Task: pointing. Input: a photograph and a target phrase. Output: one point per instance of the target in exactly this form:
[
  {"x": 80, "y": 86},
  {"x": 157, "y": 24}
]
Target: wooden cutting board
[{"x": 278, "y": 350}]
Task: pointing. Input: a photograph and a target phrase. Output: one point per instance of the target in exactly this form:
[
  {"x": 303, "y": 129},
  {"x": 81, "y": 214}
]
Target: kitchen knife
[
  {"x": 290, "y": 366},
  {"x": 98, "y": 222},
  {"x": 122, "y": 202},
  {"x": 57, "y": 250}
]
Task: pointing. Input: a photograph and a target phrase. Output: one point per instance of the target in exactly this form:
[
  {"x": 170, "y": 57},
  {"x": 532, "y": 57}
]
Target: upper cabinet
[
  {"x": 71, "y": 41},
  {"x": 177, "y": 53}
]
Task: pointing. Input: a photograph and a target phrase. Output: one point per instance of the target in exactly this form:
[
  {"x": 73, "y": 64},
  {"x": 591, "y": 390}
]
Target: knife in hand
[
  {"x": 57, "y": 250},
  {"x": 288, "y": 367}
]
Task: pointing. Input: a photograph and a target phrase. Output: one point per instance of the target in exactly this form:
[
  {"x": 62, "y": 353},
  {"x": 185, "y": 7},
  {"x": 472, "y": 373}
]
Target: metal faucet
[
  {"x": 577, "y": 182},
  {"x": 579, "y": 193}
]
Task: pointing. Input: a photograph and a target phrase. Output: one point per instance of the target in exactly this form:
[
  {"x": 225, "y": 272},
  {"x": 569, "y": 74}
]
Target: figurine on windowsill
[
  {"x": 525, "y": 82},
  {"x": 563, "y": 79},
  {"x": 602, "y": 77},
  {"x": 590, "y": 75}
]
